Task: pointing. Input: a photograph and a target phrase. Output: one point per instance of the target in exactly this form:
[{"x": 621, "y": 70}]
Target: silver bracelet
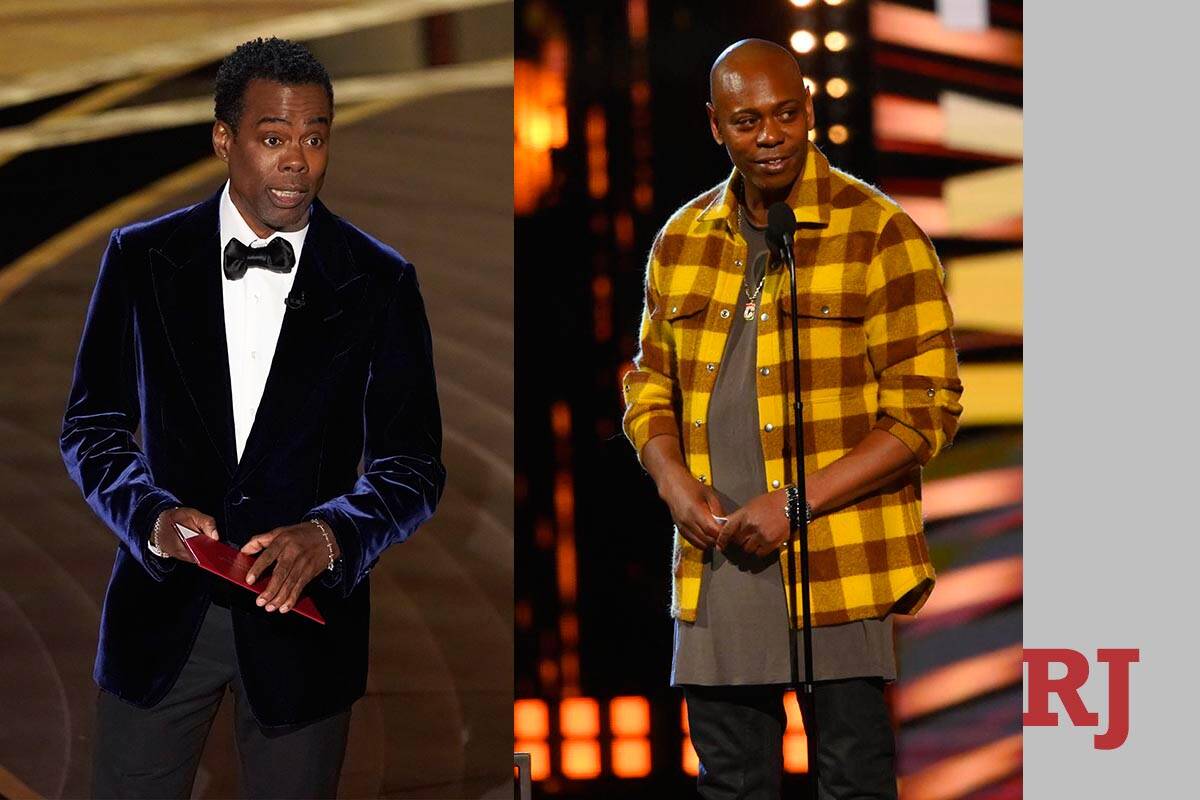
[
  {"x": 321, "y": 525},
  {"x": 152, "y": 544}
]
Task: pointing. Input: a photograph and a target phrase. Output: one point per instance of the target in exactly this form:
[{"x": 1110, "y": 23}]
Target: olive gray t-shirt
[{"x": 740, "y": 635}]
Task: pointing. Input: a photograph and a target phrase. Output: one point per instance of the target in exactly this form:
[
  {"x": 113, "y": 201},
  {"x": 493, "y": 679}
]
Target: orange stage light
[
  {"x": 568, "y": 628},
  {"x": 602, "y": 311},
  {"x": 629, "y": 716},
  {"x": 539, "y": 122},
  {"x": 990, "y": 583},
  {"x": 643, "y": 196},
  {"x": 795, "y": 753},
  {"x": 579, "y": 717},
  {"x": 539, "y": 758},
  {"x": 893, "y": 23},
  {"x": 597, "y": 153},
  {"x": 691, "y": 761},
  {"x": 970, "y": 494},
  {"x": 531, "y": 719},
  {"x": 639, "y": 23},
  {"x": 908, "y": 119},
  {"x": 960, "y": 775},
  {"x": 795, "y": 721},
  {"x": 631, "y": 758},
  {"x": 580, "y": 758},
  {"x": 958, "y": 682}
]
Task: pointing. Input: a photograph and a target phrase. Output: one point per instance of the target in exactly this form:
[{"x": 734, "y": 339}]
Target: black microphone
[
  {"x": 781, "y": 226},
  {"x": 295, "y": 300}
]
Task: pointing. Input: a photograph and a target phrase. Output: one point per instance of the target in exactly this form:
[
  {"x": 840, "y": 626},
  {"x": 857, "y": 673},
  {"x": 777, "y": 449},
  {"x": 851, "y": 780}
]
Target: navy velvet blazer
[{"x": 352, "y": 378}]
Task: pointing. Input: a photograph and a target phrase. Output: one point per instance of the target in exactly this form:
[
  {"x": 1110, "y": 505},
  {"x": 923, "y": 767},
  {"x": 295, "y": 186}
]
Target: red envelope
[{"x": 232, "y": 565}]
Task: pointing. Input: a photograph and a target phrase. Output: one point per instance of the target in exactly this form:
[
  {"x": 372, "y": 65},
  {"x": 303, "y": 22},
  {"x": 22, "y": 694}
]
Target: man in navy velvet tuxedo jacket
[{"x": 351, "y": 378}]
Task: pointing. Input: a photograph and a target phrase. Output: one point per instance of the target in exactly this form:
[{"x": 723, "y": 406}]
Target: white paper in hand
[{"x": 186, "y": 533}]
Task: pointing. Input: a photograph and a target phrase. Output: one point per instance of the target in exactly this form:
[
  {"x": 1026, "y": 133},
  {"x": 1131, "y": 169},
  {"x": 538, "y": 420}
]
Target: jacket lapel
[
  {"x": 187, "y": 287},
  {"x": 309, "y": 338}
]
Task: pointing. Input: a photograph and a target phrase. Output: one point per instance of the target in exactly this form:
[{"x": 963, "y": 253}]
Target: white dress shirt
[{"x": 254, "y": 309}]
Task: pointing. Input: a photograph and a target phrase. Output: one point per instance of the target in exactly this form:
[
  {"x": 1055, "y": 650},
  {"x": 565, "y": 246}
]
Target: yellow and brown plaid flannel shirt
[{"x": 877, "y": 351}]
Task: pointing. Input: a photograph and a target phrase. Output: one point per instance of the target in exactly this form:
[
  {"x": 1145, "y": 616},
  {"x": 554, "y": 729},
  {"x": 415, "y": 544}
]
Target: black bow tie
[{"x": 277, "y": 256}]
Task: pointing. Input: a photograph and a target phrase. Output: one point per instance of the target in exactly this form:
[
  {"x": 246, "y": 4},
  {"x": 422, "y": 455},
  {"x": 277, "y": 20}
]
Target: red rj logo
[{"x": 1039, "y": 685}]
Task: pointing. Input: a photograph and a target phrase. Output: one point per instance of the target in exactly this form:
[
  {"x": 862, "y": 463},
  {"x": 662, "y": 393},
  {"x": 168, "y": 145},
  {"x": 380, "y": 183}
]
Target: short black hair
[{"x": 279, "y": 60}]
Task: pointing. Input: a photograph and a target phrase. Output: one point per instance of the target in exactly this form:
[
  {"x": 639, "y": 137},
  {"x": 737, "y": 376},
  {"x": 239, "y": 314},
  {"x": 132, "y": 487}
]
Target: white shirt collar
[{"x": 233, "y": 226}]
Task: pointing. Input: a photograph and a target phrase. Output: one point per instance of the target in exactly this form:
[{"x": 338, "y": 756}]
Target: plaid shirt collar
[{"x": 809, "y": 197}]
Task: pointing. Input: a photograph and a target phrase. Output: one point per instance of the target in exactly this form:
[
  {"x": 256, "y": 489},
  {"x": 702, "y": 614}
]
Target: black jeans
[
  {"x": 155, "y": 752},
  {"x": 738, "y": 734}
]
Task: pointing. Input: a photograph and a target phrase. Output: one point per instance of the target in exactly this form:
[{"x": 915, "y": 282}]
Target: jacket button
[
  {"x": 702, "y": 478},
  {"x": 674, "y": 309},
  {"x": 764, "y": 316},
  {"x": 930, "y": 392},
  {"x": 710, "y": 367},
  {"x": 737, "y": 262},
  {"x": 775, "y": 484},
  {"x": 768, "y": 427},
  {"x": 697, "y": 423},
  {"x": 765, "y": 371},
  {"x": 824, "y": 309},
  {"x": 724, "y": 313}
]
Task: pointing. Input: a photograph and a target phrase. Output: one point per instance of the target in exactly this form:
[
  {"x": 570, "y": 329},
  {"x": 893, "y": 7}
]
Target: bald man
[{"x": 708, "y": 407}]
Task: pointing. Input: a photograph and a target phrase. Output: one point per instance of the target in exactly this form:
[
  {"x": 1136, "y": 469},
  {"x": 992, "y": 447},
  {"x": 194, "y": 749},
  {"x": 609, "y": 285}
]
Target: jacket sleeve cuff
[
  {"x": 142, "y": 525},
  {"x": 654, "y": 423},
  {"x": 913, "y": 440}
]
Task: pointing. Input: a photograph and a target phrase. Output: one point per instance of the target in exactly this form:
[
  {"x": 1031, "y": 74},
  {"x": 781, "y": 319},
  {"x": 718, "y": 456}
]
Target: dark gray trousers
[
  {"x": 155, "y": 752},
  {"x": 738, "y": 734}
]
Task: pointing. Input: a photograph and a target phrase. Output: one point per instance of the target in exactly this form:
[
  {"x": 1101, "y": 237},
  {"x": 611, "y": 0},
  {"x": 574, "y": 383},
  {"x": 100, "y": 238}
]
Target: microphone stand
[{"x": 799, "y": 530}]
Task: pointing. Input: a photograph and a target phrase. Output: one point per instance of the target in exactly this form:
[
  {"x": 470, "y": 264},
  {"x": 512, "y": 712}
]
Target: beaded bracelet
[{"x": 794, "y": 507}]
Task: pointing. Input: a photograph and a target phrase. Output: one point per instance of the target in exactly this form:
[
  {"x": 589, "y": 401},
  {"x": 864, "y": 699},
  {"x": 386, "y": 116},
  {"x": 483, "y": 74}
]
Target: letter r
[{"x": 1040, "y": 685}]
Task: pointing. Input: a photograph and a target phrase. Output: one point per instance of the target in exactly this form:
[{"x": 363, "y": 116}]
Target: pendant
[{"x": 748, "y": 314}]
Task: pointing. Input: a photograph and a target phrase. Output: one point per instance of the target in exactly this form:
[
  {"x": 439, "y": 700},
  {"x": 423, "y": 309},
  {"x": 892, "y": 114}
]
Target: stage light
[
  {"x": 691, "y": 761},
  {"x": 795, "y": 720},
  {"x": 795, "y": 752},
  {"x": 836, "y": 41},
  {"x": 579, "y": 717},
  {"x": 539, "y": 758},
  {"x": 580, "y": 758},
  {"x": 838, "y": 134},
  {"x": 629, "y": 716},
  {"x": 531, "y": 719},
  {"x": 803, "y": 41},
  {"x": 812, "y": 135},
  {"x": 802, "y": 3},
  {"x": 834, "y": 2},
  {"x": 811, "y": 85},
  {"x": 631, "y": 758},
  {"x": 837, "y": 87}
]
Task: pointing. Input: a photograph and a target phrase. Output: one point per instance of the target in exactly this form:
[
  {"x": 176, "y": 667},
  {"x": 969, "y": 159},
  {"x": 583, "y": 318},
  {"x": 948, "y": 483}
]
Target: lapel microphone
[{"x": 295, "y": 300}]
